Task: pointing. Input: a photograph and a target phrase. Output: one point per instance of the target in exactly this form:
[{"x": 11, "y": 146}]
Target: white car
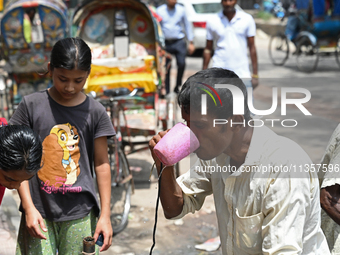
[{"x": 198, "y": 12}]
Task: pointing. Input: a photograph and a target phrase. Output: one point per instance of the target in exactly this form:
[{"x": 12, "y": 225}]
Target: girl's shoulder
[
  {"x": 36, "y": 98},
  {"x": 95, "y": 105},
  {"x": 40, "y": 94}
]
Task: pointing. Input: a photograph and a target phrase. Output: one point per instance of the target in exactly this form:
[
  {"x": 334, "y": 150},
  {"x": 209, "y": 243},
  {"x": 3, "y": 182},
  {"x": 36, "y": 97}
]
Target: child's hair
[
  {"x": 20, "y": 149},
  {"x": 71, "y": 53}
]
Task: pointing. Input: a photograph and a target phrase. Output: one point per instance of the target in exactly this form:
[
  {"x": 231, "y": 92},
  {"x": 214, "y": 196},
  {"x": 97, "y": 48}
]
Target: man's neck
[
  {"x": 230, "y": 15},
  {"x": 239, "y": 146},
  {"x": 171, "y": 7}
]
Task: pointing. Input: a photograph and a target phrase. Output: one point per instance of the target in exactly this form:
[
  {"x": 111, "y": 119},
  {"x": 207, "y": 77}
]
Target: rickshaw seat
[
  {"x": 130, "y": 73},
  {"x": 326, "y": 28}
]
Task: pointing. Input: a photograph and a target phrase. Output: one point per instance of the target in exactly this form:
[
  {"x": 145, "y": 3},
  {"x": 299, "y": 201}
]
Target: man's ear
[{"x": 237, "y": 122}]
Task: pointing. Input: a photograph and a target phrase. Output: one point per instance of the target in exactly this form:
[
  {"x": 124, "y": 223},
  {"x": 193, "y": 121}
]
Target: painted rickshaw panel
[
  {"x": 95, "y": 23},
  {"x": 26, "y": 61}
]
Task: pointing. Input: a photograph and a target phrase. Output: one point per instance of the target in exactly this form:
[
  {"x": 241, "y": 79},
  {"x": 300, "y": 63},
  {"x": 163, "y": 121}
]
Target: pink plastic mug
[{"x": 178, "y": 143}]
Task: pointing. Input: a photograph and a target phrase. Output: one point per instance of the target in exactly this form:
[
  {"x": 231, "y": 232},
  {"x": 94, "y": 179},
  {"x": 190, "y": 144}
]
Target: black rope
[{"x": 156, "y": 216}]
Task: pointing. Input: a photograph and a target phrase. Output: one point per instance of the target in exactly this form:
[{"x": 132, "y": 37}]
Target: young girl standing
[{"x": 61, "y": 200}]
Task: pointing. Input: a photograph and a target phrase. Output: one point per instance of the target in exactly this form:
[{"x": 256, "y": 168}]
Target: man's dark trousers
[{"x": 178, "y": 48}]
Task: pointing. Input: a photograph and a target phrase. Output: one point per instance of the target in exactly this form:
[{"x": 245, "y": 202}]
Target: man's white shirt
[
  {"x": 231, "y": 39},
  {"x": 261, "y": 213}
]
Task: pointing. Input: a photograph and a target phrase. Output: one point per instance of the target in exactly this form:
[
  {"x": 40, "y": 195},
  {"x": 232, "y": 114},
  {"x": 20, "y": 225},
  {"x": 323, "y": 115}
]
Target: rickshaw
[
  {"x": 126, "y": 42},
  {"x": 126, "y": 77},
  {"x": 29, "y": 29},
  {"x": 313, "y": 30}
]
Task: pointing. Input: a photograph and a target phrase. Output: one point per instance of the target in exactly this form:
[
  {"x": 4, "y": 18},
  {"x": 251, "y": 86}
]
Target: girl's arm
[
  {"x": 102, "y": 168},
  {"x": 33, "y": 217}
]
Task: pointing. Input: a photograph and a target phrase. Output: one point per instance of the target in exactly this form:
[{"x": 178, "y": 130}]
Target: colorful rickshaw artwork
[
  {"x": 126, "y": 43},
  {"x": 29, "y": 29}
]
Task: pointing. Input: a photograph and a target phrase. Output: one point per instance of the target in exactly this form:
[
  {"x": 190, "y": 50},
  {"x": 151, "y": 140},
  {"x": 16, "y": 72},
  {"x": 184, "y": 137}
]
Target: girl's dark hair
[
  {"x": 71, "y": 53},
  {"x": 20, "y": 149},
  {"x": 189, "y": 97}
]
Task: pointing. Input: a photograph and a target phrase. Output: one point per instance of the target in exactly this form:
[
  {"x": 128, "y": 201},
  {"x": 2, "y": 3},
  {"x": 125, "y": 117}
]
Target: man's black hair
[{"x": 189, "y": 97}]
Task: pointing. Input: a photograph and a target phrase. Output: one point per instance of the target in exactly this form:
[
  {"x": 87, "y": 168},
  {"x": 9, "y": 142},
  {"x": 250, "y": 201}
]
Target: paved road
[{"x": 312, "y": 133}]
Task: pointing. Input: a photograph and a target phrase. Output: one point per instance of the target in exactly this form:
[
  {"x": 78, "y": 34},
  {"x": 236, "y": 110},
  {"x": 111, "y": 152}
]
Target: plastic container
[{"x": 178, "y": 143}]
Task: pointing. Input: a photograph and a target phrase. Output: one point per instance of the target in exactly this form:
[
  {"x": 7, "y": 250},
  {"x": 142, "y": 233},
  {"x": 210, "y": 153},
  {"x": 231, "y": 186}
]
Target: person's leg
[
  {"x": 167, "y": 75},
  {"x": 170, "y": 49},
  {"x": 292, "y": 27},
  {"x": 28, "y": 245},
  {"x": 248, "y": 84},
  {"x": 73, "y": 232},
  {"x": 181, "y": 52}
]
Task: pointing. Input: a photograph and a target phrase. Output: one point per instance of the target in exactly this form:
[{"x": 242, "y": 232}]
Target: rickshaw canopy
[{"x": 142, "y": 27}]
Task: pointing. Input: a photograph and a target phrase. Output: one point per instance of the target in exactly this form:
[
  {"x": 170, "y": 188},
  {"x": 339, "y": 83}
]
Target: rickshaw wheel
[
  {"x": 307, "y": 55},
  {"x": 121, "y": 189},
  {"x": 278, "y": 49}
]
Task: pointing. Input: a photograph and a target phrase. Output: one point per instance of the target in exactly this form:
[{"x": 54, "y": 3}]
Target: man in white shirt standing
[
  {"x": 266, "y": 199},
  {"x": 172, "y": 24},
  {"x": 233, "y": 31}
]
